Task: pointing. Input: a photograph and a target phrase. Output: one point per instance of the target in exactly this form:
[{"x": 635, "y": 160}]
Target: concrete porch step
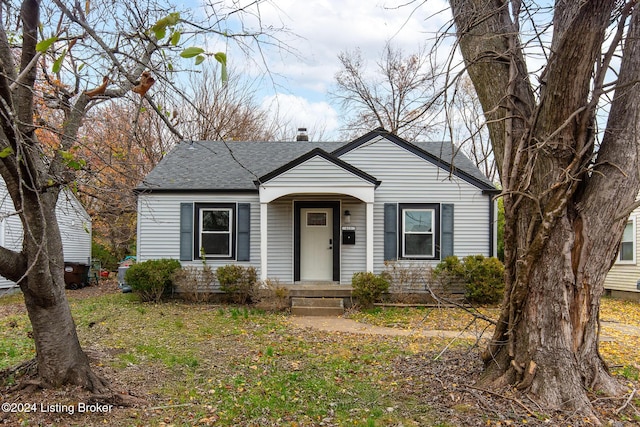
[
  {"x": 319, "y": 290},
  {"x": 317, "y": 306}
]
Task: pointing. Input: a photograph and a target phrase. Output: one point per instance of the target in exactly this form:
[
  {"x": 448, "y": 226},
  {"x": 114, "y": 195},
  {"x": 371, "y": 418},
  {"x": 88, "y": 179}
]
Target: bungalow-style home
[
  {"x": 73, "y": 220},
  {"x": 315, "y": 212},
  {"x": 623, "y": 280}
]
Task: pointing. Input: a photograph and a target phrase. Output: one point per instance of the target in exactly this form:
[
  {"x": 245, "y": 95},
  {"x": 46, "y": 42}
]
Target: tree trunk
[
  {"x": 33, "y": 183},
  {"x": 58, "y": 352},
  {"x": 566, "y": 200}
]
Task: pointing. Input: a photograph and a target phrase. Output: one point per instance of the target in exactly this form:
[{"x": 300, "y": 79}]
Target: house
[
  {"x": 310, "y": 212},
  {"x": 73, "y": 220},
  {"x": 623, "y": 279}
]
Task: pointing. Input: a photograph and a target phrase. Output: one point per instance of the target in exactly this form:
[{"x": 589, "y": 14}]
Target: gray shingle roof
[{"x": 229, "y": 166}]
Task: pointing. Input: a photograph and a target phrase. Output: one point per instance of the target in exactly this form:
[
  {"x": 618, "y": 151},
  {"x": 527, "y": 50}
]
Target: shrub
[
  {"x": 194, "y": 283},
  {"x": 368, "y": 287},
  {"x": 107, "y": 259},
  {"x": 152, "y": 279},
  {"x": 407, "y": 280},
  {"x": 483, "y": 277},
  {"x": 238, "y": 281},
  {"x": 271, "y": 295}
]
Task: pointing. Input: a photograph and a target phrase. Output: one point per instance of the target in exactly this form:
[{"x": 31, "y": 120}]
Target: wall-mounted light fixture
[{"x": 347, "y": 217}]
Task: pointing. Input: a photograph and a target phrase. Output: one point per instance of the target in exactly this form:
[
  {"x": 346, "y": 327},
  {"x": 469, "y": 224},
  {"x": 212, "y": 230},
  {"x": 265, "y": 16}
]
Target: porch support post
[
  {"x": 369, "y": 237},
  {"x": 263, "y": 241}
]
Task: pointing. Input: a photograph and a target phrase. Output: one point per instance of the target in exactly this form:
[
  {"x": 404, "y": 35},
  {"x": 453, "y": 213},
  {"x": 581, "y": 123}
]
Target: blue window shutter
[
  {"x": 186, "y": 231},
  {"x": 244, "y": 228},
  {"x": 446, "y": 225},
  {"x": 390, "y": 231}
]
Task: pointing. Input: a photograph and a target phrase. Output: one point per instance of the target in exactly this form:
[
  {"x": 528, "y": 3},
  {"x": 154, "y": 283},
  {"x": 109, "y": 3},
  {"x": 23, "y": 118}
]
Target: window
[
  {"x": 215, "y": 237},
  {"x": 316, "y": 219},
  {"x": 419, "y": 237},
  {"x": 627, "y": 252}
]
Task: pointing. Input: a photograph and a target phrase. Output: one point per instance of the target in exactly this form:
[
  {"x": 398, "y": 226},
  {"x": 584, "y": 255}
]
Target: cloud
[
  {"x": 320, "y": 118},
  {"x": 302, "y": 60}
]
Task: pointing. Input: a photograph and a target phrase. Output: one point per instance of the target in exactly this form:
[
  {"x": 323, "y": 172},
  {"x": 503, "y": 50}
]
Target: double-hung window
[
  {"x": 419, "y": 237},
  {"x": 627, "y": 252},
  {"x": 216, "y": 223}
]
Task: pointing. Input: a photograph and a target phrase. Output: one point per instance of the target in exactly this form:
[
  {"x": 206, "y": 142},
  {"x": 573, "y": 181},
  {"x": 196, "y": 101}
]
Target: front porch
[
  {"x": 319, "y": 299},
  {"x": 305, "y": 208}
]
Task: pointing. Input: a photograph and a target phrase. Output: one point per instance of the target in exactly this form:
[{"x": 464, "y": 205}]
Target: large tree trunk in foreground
[
  {"x": 33, "y": 183},
  {"x": 566, "y": 200},
  {"x": 59, "y": 356}
]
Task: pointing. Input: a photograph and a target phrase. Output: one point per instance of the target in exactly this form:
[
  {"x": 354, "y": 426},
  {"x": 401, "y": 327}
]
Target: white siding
[
  {"x": 624, "y": 277},
  {"x": 73, "y": 220},
  {"x": 159, "y": 225},
  {"x": 75, "y": 229},
  {"x": 407, "y": 178}
]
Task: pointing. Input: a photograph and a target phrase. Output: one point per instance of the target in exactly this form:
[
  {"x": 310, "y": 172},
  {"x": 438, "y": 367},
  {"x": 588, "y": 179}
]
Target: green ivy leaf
[
  {"x": 6, "y": 152},
  {"x": 43, "y": 45},
  {"x": 192, "y": 52},
  {"x": 199, "y": 59}
]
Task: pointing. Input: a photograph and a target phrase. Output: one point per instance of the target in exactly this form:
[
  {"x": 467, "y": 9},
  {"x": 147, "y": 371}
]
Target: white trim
[
  {"x": 632, "y": 261},
  {"x": 369, "y": 233},
  {"x": 264, "y": 250},
  {"x": 270, "y": 193},
  {"x": 229, "y": 232},
  {"x": 405, "y": 232},
  {"x": 2, "y": 226}
]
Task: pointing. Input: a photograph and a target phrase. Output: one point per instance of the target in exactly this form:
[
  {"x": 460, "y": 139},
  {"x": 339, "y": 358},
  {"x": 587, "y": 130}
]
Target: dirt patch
[{"x": 341, "y": 324}]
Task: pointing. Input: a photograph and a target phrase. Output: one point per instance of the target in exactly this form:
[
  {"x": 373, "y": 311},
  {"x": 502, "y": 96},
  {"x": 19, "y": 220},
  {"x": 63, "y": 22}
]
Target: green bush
[
  {"x": 237, "y": 281},
  {"x": 368, "y": 287},
  {"x": 152, "y": 279},
  {"x": 107, "y": 259},
  {"x": 483, "y": 277}
]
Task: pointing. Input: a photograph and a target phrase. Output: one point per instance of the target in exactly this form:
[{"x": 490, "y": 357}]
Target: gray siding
[
  {"x": 407, "y": 178},
  {"x": 159, "y": 225},
  {"x": 353, "y": 257},
  {"x": 280, "y": 240},
  {"x": 280, "y": 237},
  {"x": 317, "y": 171}
]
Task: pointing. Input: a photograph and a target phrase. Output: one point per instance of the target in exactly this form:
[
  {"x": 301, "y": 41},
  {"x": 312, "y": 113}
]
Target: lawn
[{"x": 222, "y": 365}]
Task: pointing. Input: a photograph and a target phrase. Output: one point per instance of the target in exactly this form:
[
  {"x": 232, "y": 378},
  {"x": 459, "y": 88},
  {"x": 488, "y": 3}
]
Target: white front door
[{"x": 316, "y": 244}]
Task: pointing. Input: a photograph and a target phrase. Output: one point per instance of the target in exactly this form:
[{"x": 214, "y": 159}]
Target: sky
[{"x": 301, "y": 76}]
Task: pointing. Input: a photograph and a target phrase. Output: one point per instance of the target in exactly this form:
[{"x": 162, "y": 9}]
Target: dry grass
[{"x": 204, "y": 364}]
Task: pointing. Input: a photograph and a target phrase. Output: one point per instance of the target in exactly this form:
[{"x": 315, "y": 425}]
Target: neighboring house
[
  {"x": 73, "y": 220},
  {"x": 623, "y": 280},
  {"x": 312, "y": 211}
]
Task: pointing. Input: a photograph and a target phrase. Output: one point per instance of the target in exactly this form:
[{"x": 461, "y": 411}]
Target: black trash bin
[{"x": 75, "y": 275}]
